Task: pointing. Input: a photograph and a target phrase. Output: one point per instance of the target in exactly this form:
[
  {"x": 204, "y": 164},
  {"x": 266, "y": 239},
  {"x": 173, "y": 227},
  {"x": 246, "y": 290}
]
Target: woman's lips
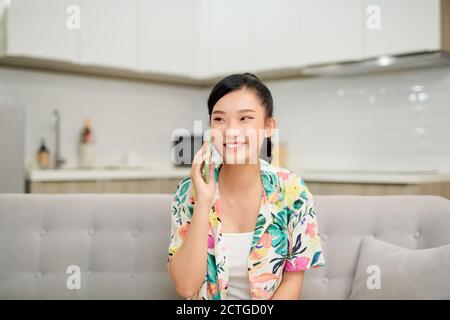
[{"x": 234, "y": 146}]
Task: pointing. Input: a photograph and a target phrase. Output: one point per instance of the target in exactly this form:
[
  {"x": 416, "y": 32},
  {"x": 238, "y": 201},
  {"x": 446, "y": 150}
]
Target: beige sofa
[{"x": 119, "y": 242}]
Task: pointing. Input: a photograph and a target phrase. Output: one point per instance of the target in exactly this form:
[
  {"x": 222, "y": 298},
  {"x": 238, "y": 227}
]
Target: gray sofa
[{"x": 119, "y": 242}]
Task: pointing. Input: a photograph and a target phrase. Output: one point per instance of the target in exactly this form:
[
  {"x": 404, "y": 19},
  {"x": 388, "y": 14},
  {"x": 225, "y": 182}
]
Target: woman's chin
[{"x": 239, "y": 159}]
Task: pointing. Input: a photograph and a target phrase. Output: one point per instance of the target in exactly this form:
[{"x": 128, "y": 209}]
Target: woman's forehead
[{"x": 238, "y": 101}]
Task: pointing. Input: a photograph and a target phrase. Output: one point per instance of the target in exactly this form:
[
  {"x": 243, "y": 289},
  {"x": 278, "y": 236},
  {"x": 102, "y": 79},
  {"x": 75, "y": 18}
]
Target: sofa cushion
[{"x": 387, "y": 271}]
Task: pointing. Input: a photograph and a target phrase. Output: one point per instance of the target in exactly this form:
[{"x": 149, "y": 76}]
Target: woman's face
[{"x": 239, "y": 126}]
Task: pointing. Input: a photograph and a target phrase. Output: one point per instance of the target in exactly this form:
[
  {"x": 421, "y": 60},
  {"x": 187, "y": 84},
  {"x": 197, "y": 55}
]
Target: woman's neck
[{"x": 246, "y": 177}]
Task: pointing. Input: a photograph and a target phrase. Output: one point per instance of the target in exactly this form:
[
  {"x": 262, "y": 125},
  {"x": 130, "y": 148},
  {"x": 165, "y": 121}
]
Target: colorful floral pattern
[{"x": 286, "y": 236}]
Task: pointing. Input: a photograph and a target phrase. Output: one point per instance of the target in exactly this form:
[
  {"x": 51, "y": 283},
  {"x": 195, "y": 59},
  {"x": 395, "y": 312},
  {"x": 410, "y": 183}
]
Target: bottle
[
  {"x": 43, "y": 156},
  {"x": 86, "y": 145},
  {"x": 86, "y": 133}
]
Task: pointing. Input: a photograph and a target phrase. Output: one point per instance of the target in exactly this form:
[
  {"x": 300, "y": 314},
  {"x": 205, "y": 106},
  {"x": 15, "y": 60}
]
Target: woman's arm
[
  {"x": 290, "y": 287},
  {"x": 187, "y": 267}
]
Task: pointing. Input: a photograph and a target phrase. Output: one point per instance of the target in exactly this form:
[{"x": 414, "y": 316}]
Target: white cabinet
[
  {"x": 406, "y": 26},
  {"x": 109, "y": 33},
  {"x": 207, "y": 38},
  {"x": 330, "y": 31},
  {"x": 275, "y": 32},
  {"x": 4, "y": 5},
  {"x": 228, "y": 36},
  {"x": 39, "y": 29},
  {"x": 169, "y": 36}
]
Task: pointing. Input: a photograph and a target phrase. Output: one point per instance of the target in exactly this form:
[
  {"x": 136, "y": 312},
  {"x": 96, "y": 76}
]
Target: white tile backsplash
[
  {"x": 366, "y": 122},
  {"x": 128, "y": 116},
  {"x": 361, "y": 122}
]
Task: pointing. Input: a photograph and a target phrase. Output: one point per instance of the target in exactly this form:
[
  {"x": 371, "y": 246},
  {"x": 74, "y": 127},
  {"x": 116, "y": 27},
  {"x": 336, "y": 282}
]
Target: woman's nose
[{"x": 232, "y": 133}]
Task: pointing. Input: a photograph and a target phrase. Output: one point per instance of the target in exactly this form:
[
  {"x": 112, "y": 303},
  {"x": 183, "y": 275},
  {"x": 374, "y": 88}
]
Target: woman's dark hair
[{"x": 240, "y": 81}]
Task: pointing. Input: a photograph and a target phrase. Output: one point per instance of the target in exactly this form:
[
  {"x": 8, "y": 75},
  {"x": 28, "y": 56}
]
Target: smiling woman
[
  {"x": 257, "y": 236},
  {"x": 241, "y": 116}
]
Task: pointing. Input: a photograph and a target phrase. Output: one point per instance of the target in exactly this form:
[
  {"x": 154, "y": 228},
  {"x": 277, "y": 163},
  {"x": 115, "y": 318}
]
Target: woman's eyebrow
[
  {"x": 239, "y": 111},
  {"x": 246, "y": 110}
]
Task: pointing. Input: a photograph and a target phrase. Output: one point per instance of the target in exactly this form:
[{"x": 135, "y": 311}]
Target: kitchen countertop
[
  {"x": 164, "y": 172},
  {"x": 119, "y": 173}
]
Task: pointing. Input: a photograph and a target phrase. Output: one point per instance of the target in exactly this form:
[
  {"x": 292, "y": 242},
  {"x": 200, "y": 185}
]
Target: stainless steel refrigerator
[{"x": 12, "y": 149}]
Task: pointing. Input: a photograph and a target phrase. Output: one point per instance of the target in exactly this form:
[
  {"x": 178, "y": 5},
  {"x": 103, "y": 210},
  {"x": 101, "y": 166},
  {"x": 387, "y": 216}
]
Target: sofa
[{"x": 114, "y": 246}]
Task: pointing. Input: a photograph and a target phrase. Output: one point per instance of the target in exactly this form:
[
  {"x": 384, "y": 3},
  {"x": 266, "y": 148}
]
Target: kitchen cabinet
[
  {"x": 196, "y": 41},
  {"x": 406, "y": 26},
  {"x": 275, "y": 30},
  {"x": 316, "y": 186},
  {"x": 262, "y": 35},
  {"x": 379, "y": 189},
  {"x": 228, "y": 36},
  {"x": 109, "y": 33},
  {"x": 169, "y": 37},
  {"x": 140, "y": 186},
  {"x": 40, "y": 29},
  {"x": 160, "y": 185},
  {"x": 330, "y": 31}
]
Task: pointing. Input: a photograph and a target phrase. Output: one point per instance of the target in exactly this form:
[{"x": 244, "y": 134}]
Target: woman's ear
[{"x": 270, "y": 126}]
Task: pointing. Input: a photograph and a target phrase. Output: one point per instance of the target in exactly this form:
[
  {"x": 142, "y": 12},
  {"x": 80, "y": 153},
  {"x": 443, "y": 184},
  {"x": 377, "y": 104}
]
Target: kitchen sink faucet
[{"x": 59, "y": 160}]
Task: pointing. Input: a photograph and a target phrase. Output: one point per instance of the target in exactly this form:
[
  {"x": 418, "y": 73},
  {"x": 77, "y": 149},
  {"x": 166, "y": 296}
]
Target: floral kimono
[{"x": 286, "y": 236}]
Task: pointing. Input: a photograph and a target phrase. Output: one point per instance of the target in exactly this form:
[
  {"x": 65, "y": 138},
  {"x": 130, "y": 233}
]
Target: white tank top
[{"x": 238, "y": 247}]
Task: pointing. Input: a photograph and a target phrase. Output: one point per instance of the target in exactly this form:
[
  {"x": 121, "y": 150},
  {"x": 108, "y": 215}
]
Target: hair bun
[{"x": 251, "y": 75}]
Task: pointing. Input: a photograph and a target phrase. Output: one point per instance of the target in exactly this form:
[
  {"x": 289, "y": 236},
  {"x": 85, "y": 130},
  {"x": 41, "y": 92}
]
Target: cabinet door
[
  {"x": 168, "y": 39},
  {"x": 65, "y": 187},
  {"x": 275, "y": 31},
  {"x": 406, "y": 26},
  {"x": 4, "y": 7},
  {"x": 40, "y": 29},
  {"x": 166, "y": 185},
  {"x": 331, "y": 31},
  {"x": 109, "y": 33},
  {"x": 228, "y": 36}
]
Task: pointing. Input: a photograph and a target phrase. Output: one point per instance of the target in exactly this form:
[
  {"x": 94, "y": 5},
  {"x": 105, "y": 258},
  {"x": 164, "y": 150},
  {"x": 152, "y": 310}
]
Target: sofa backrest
[
  {"x": 119, "y": 242},
  {"x": 414, "y": 222}
]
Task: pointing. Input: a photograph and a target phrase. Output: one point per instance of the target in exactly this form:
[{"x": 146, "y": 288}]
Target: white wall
[
  {"x": 128, "y": 116},
  {"x": 354, "y": 122},
  {"x": 366, "y": 122}
]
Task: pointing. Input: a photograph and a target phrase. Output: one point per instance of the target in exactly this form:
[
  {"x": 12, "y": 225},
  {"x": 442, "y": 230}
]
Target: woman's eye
[
  {"x": 217, "y": 119},
  {"x": 246, "y": 117}
]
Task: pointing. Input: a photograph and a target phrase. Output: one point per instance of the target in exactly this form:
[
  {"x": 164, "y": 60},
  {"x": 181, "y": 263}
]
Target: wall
[
  {"x": 380, "y": 122},
  {"x": 127, "y": 116},
  {"x": 365, "y": 122}
]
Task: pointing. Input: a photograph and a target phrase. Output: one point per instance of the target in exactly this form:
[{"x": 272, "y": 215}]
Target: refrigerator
[{"x": 12, "y": 149}]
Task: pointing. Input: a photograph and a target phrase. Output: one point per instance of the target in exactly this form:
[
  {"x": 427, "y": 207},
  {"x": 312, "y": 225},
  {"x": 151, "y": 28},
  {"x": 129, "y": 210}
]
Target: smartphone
[
  {"x": 214, "y": 156},
  {"x": 205, "y": 165}
]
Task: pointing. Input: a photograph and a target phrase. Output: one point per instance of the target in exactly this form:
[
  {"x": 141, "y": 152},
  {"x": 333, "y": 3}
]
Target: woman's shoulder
[
  {"x": 291, "y": 184},
  {"x": 287, "y": 175}
]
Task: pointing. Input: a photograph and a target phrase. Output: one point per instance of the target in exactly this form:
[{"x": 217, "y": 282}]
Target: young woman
[{"x": 255, "y": 238}]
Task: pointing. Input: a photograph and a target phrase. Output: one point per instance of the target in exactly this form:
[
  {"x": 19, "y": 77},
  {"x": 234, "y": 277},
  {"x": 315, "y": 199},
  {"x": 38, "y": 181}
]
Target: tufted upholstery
[{"x": 120, "y": 242}]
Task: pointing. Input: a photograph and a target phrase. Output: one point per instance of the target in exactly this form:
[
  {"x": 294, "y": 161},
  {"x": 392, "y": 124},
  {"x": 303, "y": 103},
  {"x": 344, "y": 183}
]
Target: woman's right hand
[{"x": 204, "y": 191}]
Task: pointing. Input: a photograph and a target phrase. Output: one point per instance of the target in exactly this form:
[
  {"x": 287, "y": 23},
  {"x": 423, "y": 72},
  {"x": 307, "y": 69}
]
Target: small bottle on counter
[
  {"x": 43, "y": 156},
  {"x": 86, "y": 133},
  {"x": 86, "y": 145}
]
